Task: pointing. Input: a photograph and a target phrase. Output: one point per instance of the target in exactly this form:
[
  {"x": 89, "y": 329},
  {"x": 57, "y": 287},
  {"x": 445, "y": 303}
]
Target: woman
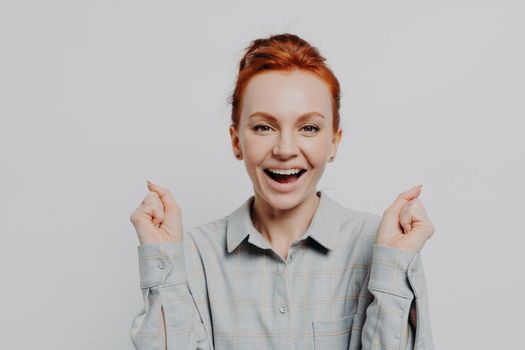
[{"x": 290, "y": 268}]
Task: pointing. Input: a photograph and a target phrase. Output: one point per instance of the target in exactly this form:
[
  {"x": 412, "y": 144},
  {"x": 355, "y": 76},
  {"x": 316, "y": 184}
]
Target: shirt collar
[{"x": 323, "y": 227}]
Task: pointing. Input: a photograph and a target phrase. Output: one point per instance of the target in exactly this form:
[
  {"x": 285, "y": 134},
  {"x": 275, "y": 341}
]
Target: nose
[{"x": 286, "y": 147}]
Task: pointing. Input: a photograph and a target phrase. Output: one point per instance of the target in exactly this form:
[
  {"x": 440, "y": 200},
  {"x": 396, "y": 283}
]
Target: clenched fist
[
  {"x": 158, "y": 218},
  {"x": 405, "y": 224}
]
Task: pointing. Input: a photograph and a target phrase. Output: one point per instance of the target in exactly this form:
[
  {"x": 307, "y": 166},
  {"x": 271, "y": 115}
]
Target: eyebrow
[{"x": 271, "y": 117}]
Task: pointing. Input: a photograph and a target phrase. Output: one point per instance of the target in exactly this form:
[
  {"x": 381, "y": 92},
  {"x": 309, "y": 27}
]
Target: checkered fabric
[{"x": 224, "y": 287}]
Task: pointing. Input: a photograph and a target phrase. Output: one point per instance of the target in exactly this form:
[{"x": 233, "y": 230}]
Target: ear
[
  {"x": 336, "y": 140},
  {"x": 235, "y": 141}
]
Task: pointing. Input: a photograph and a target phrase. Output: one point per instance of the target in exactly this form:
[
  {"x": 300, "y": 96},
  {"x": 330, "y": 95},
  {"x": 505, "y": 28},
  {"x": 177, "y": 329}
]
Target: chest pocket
[{"x": 332, "y": 334}]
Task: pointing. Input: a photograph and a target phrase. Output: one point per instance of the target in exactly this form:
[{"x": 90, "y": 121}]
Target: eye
[
  {"x": 310, "y": 128},
  {"x": 257, "y": 127},
  {"x": 313, "y": 128}
]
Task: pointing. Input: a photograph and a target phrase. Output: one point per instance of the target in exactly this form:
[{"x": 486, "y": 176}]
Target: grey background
[{"x": 96, "y": 97}]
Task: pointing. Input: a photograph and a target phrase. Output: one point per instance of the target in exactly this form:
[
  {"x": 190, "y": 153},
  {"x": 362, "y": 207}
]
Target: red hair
[{"x": 283, "y": 52}]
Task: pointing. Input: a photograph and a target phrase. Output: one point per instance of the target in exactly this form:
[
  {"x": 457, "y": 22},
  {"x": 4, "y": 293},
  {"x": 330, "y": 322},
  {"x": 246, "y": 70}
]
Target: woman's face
[{"x": 285, "y": 123}]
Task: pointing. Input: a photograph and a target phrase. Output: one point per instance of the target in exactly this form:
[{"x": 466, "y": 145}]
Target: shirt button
[
  {"x": 283, "y": 309},
  {"x": 161, "y": 265}
]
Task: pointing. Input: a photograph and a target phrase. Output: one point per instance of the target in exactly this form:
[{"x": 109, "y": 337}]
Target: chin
[{"x": 283, "y": 201}]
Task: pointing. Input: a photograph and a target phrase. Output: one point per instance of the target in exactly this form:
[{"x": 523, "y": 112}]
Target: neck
[{"x": 280, "y": 227}]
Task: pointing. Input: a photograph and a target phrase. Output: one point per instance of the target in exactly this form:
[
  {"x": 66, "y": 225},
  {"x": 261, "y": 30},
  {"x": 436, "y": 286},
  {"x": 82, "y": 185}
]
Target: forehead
[{"x": 286, "y": 93}]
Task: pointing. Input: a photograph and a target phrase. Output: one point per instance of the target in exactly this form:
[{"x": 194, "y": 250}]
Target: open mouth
[{"x": 284, "y": 179}]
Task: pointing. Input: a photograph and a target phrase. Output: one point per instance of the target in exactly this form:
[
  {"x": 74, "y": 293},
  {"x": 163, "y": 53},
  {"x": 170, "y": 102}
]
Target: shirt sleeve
[
  {"x": 393, "y": 309},
  {"x": 165, "y": 290}
]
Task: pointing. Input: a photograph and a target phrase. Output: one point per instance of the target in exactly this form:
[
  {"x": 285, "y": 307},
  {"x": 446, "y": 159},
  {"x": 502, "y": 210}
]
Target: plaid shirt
[{"x": 224, "y": 287}]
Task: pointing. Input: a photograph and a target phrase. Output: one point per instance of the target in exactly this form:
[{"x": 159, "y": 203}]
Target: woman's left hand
[{"x": 405, "y": 224}]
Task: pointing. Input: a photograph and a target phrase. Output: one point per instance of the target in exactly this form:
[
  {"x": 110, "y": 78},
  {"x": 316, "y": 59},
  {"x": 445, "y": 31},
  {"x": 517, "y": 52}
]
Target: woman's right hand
[{"x": 158, "y": 218}]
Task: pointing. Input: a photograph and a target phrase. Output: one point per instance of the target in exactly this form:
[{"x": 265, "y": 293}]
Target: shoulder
[
  {"x": 367, "y": 221},
  {"x": 361, "y": 223},
  {"x": 357, "y": 233},
  {"x": 344, "y": 218},
  {"x": 209, "y": 233}
]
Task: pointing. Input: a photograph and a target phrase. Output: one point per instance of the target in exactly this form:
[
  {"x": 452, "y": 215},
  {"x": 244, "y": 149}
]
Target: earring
[
  {"x": 331, "y": 158},
  {"x": 238, "y": 155}
]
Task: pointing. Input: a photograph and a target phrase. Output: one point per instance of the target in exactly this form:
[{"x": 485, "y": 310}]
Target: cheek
[
  {"x": 316, "y": 152},
  {"x": 254, "y": 155},
  {"x": 257, "y": 147}
]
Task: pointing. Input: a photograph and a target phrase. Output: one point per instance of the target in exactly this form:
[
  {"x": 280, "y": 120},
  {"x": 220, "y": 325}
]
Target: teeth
[{"x": 285, "y": 171}]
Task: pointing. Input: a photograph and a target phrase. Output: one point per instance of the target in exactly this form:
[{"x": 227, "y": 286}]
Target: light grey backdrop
[{"x": 96, "y": 97}]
